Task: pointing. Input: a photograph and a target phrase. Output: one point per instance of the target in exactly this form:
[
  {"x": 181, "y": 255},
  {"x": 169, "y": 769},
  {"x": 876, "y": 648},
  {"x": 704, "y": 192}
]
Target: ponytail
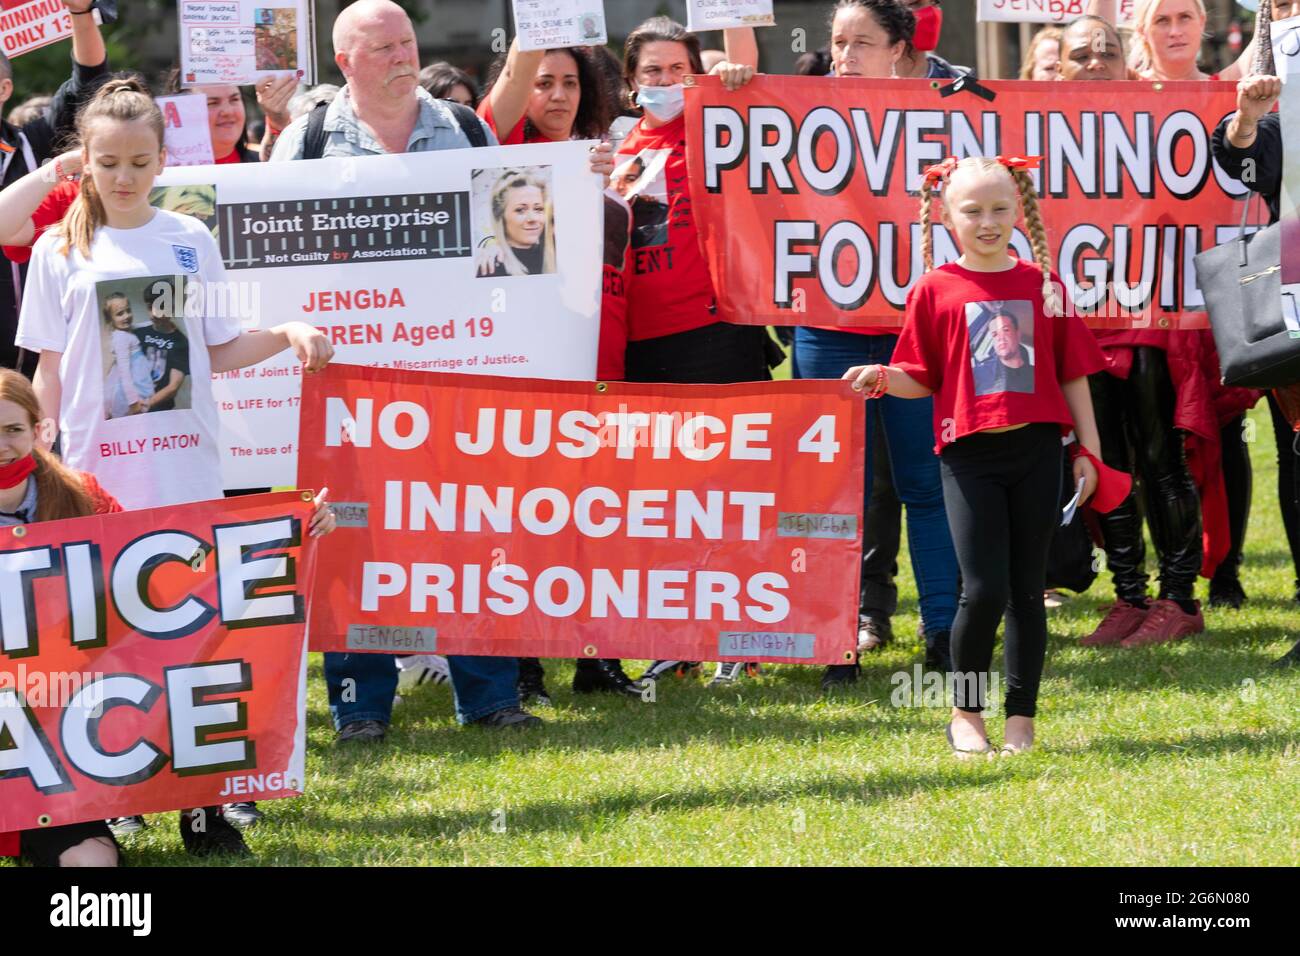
[
  {"x": 124, "y": 99},
  {"x": 1037, "y": 239},
  {"x": 927, "y": 205}
]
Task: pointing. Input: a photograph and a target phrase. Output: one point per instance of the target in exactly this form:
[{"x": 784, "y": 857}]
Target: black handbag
[{"x": 1258, "y": 341}]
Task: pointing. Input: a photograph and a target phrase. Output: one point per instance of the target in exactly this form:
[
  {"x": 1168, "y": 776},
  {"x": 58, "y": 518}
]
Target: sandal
[{"x": 962, "y": 753}]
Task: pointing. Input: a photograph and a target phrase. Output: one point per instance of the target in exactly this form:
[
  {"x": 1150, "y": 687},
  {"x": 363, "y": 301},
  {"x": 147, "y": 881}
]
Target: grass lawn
[{"x": 1183, "y": 754}]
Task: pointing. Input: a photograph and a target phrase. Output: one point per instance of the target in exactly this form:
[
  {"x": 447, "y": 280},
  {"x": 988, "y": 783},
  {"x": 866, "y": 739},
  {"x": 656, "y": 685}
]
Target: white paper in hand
[
  {"x": 551, "y": 24},
  {"x": 1071, "y": 506},
  {"x": 726, "y": 14}
]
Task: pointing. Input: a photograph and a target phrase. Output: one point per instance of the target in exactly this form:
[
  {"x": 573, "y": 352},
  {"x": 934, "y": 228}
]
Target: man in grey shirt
[{"x": 382, "y": 109}]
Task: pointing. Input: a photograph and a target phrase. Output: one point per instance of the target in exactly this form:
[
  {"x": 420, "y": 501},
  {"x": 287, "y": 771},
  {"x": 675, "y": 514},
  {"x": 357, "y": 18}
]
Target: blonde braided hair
[{"x": 1024, "y": 184}]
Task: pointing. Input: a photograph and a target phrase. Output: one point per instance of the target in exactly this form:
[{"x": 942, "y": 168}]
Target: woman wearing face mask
[
  {"x": 672, "y": 323},
  {"x": 919, "y": 59},
  {"x": 868, "y": 37}
]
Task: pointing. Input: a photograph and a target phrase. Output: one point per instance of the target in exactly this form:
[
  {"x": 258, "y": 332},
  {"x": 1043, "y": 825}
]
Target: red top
[
  {"x": 670, "y": 289},
  {"x": 232, "y": 157},
  {"x": 104, "y": 504},
  {"x": 516, "y": 135},
  {"x": 981, "y": 342},
  {"x": 49, "y": 213}
]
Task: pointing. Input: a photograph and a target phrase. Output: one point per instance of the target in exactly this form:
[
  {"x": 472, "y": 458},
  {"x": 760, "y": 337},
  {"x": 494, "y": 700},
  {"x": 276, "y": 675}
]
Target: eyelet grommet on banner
[
  {"x": 590, "y": 650},
  {"x": 307, "y": 496},
  {"x": 602, "y": 387},
  {"x": 1163, "y": 322},
  {"x": 44, "y": 820},
  {"x": 20, "y": 531},
  {"x": 934, "y": 84},
  {"x": 1157, "y": 87},
  {"x": 848, "y": 657},
  {"x": 688, "y": 80}
]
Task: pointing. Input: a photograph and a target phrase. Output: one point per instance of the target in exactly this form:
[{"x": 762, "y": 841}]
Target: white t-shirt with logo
[{"x": 72, "y": 304}]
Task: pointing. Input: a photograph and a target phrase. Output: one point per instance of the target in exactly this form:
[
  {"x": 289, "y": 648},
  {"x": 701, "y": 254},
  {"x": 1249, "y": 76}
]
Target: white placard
[
  {"x": 383, "y": 253},
  {"x": 726, "y": 14},
  {"x": 185, "y": 129},
  {"x": 241, "y": 41},
  {"x": 1045, "y": 11},
  {"x": 551, "y": 24},
  {"x": 1286, "y": 47}
]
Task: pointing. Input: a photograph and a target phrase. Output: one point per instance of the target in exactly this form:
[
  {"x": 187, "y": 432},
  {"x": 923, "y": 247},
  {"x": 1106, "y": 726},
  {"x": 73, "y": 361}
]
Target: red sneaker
[
  {"x": 1121, "y": 620},
  {"x": 1166, "y": 621}
]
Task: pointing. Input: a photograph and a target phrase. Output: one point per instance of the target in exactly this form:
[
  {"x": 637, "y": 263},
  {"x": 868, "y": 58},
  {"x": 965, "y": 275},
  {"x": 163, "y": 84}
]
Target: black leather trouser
[
  {"x": 1135, "y": 418},
  {"x": 1238, "y": 480}
]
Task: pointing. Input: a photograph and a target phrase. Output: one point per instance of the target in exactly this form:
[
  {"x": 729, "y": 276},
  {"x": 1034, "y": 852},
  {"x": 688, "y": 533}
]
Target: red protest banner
[
  {"x": 521, "y": 517},
  {"x": 153, "y": 660},
  {"x": 805, "y": 191},
  {"x": 27, "y": 25}
]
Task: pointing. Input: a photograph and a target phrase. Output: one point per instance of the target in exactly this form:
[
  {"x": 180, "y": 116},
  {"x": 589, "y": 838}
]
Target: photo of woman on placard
[{"x": 515, "y": 221}]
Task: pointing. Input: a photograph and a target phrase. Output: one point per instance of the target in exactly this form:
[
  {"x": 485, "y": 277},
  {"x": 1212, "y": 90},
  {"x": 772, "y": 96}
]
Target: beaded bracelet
[{"x": 882, "y": 382}]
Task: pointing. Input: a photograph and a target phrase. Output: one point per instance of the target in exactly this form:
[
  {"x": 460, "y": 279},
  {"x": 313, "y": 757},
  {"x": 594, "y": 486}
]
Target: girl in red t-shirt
[{"x": 986, "y": 336}]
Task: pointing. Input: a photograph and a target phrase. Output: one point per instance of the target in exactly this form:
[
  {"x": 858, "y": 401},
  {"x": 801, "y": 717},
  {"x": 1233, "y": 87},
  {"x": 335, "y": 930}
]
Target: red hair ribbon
[
  {"x": 1021, "y": 162},
  {"x": 932, "y": 174}
]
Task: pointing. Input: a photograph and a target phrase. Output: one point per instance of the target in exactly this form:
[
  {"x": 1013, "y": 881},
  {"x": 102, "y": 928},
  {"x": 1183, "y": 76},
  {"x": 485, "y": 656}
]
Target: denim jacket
[{"x": 435, "y": 128}]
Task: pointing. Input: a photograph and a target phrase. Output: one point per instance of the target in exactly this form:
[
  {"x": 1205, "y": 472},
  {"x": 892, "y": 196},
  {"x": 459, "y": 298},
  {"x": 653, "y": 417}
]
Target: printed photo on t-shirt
[
  {"x": 145, "y": 349},
  {"x": 1001, "y": 338},
  {"x": 640, "y": 180},
  {"x": 195, "y": 199},
  {"x": 514, "y": 221}
]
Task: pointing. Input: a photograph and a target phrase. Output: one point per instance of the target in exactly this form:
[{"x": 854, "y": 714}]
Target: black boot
[
  {"x": 532, "y": 683},
  {"x": 604, "y": 675},
  {"x": 938, "y": 655},
  {"x": 1290, "y": 659}
]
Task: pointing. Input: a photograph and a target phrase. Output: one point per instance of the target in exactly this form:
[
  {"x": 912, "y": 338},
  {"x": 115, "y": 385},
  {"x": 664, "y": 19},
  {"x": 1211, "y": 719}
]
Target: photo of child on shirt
[
  {"x": 146, "y": 353},
  {"x": 1001, "y": 346}
]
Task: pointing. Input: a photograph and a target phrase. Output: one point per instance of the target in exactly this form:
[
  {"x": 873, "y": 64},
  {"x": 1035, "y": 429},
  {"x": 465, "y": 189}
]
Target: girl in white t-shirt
[
  {"x": 129, "y": 383},
  {"x": 113, "y": 241}
]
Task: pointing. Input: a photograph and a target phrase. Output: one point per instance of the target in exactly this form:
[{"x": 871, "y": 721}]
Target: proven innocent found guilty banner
[
  {"x": 153, "y": 660},
  {"x": 402, "y": 260},
  {"x": 806, "y": 191},
  {"x": 485, "y": 515}
]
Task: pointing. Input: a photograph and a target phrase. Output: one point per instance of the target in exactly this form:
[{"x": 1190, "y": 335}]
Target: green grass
[{"x": 1184, "y": 754}]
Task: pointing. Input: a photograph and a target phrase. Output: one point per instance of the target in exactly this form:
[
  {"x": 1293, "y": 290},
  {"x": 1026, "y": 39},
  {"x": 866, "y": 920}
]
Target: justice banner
[
  {"x": 153, "y": 660},
  {"x": 485, "y": 515},
  {"x": 806, "y": 191},
  {"x": 481, "y": 260}
]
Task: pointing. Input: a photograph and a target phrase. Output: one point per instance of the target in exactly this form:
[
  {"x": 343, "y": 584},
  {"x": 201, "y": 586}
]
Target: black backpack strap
[
  {"x": 468, "y": 122},
  {"x": 313, "y": 142}
]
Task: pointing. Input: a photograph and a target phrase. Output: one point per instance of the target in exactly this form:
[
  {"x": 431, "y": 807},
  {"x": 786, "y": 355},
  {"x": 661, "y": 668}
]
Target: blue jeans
[
  {"x": 909, "y": 433},
  {"x": 480, "y": 686}
]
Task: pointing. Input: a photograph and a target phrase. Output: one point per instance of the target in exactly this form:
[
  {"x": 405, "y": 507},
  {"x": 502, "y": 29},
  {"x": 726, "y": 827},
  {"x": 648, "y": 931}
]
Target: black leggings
[
  {"x": 1135, "y": 418},
  {"x": 1238, "y": 481},
  {"x": 1003, "y": 495}
]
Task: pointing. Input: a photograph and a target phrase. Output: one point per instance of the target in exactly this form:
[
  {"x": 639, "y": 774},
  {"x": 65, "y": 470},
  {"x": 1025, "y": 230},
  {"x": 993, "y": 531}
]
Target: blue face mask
[{"x": 664, "y": 103}]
